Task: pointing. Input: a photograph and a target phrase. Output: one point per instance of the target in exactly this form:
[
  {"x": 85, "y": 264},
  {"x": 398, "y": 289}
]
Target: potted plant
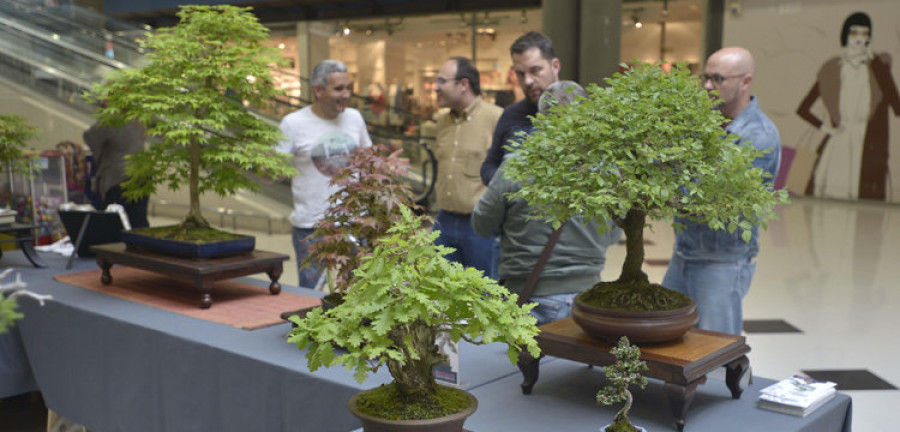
[
  {"x": 647, "y": 146},
  {"x": 15, "y": 132},
  {"x": 401, "y": 297},
  {"x": 372, "y": 192},
  {"x": 191, "y": 96},
  {"x": 626, "y": 371}
]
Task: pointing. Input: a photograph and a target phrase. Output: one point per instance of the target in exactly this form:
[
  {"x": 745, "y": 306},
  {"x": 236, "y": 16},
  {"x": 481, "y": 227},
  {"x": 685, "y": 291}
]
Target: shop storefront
[{"x": 393, "y": 61}]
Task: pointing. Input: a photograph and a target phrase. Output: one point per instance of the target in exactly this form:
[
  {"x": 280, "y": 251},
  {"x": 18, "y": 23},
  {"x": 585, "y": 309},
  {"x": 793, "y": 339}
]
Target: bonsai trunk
[
  {"x": 195, "y": 217},
  {"x": 622, "y": 415},
  {"x": 414, "y": 379},
  {"x": 633, "y": 226}
]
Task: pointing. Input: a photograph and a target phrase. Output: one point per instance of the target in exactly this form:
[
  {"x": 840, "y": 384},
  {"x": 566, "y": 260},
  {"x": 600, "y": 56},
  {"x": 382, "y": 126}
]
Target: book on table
[{"x": 797, "y": 395}]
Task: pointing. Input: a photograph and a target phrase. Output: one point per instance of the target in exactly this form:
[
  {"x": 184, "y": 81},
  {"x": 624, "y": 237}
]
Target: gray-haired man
[{"x": 321, "y": 137}]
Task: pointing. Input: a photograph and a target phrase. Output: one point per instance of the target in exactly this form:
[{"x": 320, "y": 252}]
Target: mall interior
[{"x": 820, "y": 301}]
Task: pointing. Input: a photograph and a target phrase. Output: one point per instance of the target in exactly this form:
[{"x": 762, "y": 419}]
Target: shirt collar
[{"x": 467, "y": 113}]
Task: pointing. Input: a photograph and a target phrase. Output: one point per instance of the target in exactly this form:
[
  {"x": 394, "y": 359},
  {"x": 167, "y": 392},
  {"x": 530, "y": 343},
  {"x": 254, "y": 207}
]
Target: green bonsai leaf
[
  {"x": 402, "y": 295},
  {"x": 647, "y": 146},
  {"x": 8, "y": 313},
  {"x": 15, "y": 132},
  {"x": 625, "y": 372},
  {"x": 190, "y": 96}
]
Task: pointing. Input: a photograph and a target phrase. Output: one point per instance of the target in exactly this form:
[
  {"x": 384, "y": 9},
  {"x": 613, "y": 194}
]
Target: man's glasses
[
  {"x": 442, "y": 80},
  {"x": 716, "y": 78}
]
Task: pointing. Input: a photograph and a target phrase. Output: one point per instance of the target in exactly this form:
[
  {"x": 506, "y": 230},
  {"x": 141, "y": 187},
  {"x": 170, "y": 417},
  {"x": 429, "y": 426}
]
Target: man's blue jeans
[
  {"x": 552, "y": 307},
  {"x": 308, "y": 277},
  {"x": 472, "y": 250},
  {"x": 718, "y": 288}
]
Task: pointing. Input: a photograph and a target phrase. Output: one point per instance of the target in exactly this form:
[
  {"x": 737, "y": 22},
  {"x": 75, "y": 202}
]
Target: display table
[
  {"x": 203, "y": 273},
  {"x": 115, "y": 365},
  {"x": 681, "y": 364},
  {"x": 24, "y": 240}
]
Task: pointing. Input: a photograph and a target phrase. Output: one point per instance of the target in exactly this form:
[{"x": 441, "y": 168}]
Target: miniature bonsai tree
[
  {"x": 372, "y": 192},
  {"x": 624, "y": 373},
  {"x": 403, "y": 295},
  {"x": 15, "y": 132},
  {"x": 649, "y": 145},
  {"x": 191, "y": 96}
]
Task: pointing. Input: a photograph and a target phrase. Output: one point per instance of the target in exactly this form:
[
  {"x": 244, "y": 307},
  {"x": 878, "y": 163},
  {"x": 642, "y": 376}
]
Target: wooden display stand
[
  {"x": 683, "y": 364},
  {"x": 201, "y": 272}
]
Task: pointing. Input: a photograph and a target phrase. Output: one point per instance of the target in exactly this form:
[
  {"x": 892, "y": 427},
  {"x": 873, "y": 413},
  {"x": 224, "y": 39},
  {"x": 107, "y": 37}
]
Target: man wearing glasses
[
  {"x": 463, "y": 138},
  {"x": 715, "y": 267}
]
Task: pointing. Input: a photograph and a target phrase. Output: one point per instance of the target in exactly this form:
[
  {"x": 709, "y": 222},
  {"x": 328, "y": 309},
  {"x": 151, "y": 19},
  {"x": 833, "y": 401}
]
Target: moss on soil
[
  {"x": 193, "y": 235},
  {"x": 621, "y": 426},
  {"x": 634, "y": 297},
  {"x": 387, "y": 402}
]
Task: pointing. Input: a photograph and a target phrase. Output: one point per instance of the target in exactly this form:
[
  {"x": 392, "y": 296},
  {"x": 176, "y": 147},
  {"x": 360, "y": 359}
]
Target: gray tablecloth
[
  {"x": 564, "y": 400},
  {"x": 15, "y": 372},
  {"x": 114, "y": 365}
]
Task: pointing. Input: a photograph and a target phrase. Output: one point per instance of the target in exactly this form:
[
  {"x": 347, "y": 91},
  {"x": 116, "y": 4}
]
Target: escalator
[{"x": 61, "y": 52}]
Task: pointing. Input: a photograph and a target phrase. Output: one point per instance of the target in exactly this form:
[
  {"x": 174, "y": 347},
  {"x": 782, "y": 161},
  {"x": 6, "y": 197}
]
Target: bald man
[{"x": 715, "y": 267}]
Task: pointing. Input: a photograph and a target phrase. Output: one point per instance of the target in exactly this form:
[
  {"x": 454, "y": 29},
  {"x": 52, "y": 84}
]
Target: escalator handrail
[{"x": 115, "y": 64}]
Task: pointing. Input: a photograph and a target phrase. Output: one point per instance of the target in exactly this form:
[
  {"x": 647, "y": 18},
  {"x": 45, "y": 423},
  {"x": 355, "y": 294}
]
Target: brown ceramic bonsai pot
[
  {"x": 450, "y": 423},
  {"x": 641, "y": 327}
]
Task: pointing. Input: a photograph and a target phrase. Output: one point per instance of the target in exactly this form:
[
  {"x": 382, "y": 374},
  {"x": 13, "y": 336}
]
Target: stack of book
[{"x": 797, "y": 395}]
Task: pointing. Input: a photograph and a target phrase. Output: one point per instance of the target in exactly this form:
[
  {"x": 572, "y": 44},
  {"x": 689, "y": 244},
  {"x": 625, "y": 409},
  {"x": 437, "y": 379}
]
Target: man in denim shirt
[{"x": 715, "y": 267}]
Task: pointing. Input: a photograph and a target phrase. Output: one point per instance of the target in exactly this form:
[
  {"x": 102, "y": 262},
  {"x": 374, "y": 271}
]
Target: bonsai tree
[
  {"x": 190, "y": 95},
  {"x": 372, "y": 192},
  {"x": 15, "y": 132},
  {"x": 624, "y": 373},
  {"x": 401, "y": 297},
  {"x": 649, "y": 145}
]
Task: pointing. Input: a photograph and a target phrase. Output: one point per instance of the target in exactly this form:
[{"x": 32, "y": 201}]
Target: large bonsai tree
[
  {"x": 372, "y": 192},
  {"x": 403, "y": 295},
  {"x": 191, "y": 95},
  {"x": 649, "y": 145}
]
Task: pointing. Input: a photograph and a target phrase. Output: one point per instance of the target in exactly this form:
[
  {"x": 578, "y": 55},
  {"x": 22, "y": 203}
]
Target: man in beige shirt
[{"x": 463, "y": 138}]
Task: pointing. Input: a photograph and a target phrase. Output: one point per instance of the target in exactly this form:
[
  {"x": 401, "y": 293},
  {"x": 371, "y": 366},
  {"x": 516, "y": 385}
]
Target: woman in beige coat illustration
[{"x": 857, "y": 90}]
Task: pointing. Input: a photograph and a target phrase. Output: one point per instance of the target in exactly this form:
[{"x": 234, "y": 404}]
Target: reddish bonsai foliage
[{"x": 372, "y": 190}]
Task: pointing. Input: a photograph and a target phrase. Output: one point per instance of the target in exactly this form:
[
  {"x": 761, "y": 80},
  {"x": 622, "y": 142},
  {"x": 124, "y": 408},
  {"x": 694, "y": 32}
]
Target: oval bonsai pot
[
  {"x": 216, "y": 249},
  {"x": 451, "y": 423},
  {"x": 643, "y": 327}
]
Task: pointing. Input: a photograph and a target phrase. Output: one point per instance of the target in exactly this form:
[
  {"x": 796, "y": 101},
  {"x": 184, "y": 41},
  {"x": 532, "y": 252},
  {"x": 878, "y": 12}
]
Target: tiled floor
[
  {"x": 829, "y": 277},
  {"x": 825, "y": 301}
]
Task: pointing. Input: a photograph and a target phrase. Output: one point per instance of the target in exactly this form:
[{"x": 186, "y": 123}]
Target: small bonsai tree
[
  {"x": 15, "y": 132},
  {"x": 624, "y": 373},
  {"x": 403, "y": 295},
  {"x": 650, "y": 145},
  {"x": 372, "y": 192},
  {"x": 191, "y": 95}
]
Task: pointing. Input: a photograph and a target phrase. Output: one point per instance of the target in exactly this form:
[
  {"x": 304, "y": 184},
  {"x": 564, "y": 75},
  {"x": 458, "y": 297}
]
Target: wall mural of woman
[{"x": 857, "y": 90}]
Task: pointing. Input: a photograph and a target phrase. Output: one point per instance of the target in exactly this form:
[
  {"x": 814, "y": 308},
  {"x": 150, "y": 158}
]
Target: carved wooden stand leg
[
  {"x": 529, "y": 367},
  {"x": 205, "y": 286},
  {"x": 680, "y": 399},
  {"x": 274, "y": 274},
  {"x": 734, "y": 371},
  {"x": 105, "y": 277}
]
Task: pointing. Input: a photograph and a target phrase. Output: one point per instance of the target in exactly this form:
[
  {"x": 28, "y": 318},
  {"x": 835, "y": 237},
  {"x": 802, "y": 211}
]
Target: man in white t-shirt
[{"x": 321, "y": 137}]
